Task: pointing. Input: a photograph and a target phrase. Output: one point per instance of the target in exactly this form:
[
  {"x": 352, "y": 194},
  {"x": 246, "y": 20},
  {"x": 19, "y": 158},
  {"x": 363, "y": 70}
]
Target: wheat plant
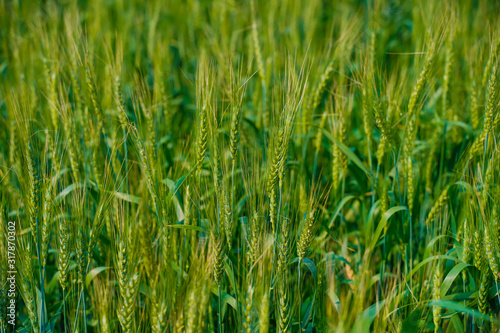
[{"x": 250, "y": 166}]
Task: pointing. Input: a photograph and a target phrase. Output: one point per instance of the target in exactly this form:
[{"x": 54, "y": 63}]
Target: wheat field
[{"x": 249, "y": 166}]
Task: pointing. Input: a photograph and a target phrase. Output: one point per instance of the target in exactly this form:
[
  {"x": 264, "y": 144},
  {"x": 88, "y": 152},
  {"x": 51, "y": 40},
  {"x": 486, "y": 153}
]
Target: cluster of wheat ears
[{"x": 250, "y": 166}]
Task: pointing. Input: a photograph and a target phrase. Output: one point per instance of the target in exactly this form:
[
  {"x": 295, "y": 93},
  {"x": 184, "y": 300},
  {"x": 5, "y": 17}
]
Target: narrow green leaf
[
  {"x": 448, "y": 280},
  {"x": 457, "y": 324},
  {"x": 226, "y": 297},
  {"x": 382, "y": 224},
  {"x": 339, "y": 208},
  {"x": 308, "y": 313},
  {"x": 178, "y": 183},
  {"x": 467, "y": 128},
  {"x": 333, "y": 256},
  {"x": 170, "y": 183},
  {"x": 328, "y": 231},
  {"x": 93, "y": 273},
  {"x": 335, "y": 299},
  {"x": 127, "y": 197},
  {"x": 350, "y": 155},
  {"x": 465, "y": 185},
  {"x": 430, "y": 245},
  {"x": 189, "y": 227},
  {"x": 459, "y": 307},
  {"x": 413, "y": 322},
  {"x": 366, "y": 318},
  {"x": 67, "y": 190},
  {"x": 310, "y": 265},
  {"x": 230, "y": 274},
  {"x": 424, "y": 262}
]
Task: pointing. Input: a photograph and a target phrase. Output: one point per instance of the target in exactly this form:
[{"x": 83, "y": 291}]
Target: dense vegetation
[{"x": 251, "y": 166}]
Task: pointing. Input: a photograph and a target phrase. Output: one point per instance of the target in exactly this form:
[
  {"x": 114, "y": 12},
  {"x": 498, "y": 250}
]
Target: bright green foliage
[{"x": 251, "y": 165}]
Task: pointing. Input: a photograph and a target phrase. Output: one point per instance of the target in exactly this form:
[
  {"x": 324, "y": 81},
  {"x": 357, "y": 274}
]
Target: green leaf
[
  {"x": 174, "y": 185},
  {"x": 467, "y": 186},
  {"x": 178, "y": 183},
  {"x": 334, "y": 257},
  {"x": 467, "y": 128},
  {"x": 176, "y": 197},
  {"x": 308, "y": 313},
  {"x": 60, "y": 174},
  {"x": 67, "y": 191},
  {"x": 370, "y": 220},
  {"x": 188, "y": 227},
  {"x": 470, "y": 295},
  {"x": 52, "y": 322},
  {"x": 350, "y": 155},
  {"x": 178, "y": 209},
  {"x": 328, "y": 231},
  {"x": 230, "y": 274},
  {"x": 54, "y": 283},
  {"x": 93, "y": 273},
  {"x": 225, "y": 297},
  {"x": 382, "y": 224},
  {"x": 430, "y": 245},
  {"x": 457, "y": 324},
  {"x": 335, "y": 299},
  {"x": 339, "y": 208},
  {"x": 309, "y": 264},
  {"x": 424, "y": 262},
  {"x": 337, "y": 212},
  {"x": 127, "y": 197},
  {"x": 459, "y": 307},
  {"x": 170, "y": 183},
  {"x": 39, "y": 304},
  {"x": 178, "y": 269},
  {"x": 366, "y": 318},
  {"x": 448, "y": 281},
  {"x": 376, "y": 278},
  {"x": 414, "y": 321}
]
